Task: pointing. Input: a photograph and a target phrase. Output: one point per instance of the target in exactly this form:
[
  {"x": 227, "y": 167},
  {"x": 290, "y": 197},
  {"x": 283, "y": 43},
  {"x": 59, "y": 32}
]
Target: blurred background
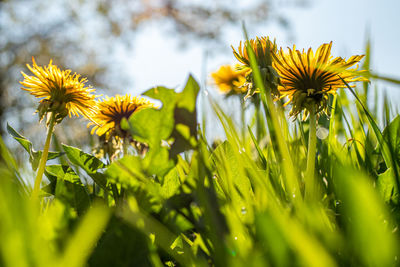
[{"x": 126, "y": 46}]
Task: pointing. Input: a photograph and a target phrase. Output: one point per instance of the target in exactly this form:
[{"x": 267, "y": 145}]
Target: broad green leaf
[
  {"x": 187, "y": 98},
  {"x": 175, "y": 122},
  {"x": 158, "y": 162},
  {"x": 166, "y": 96},
  {"x": 392, "y": 136},
  {"x": 153, "y": 125},
  {"x": 34, "y": 156},
  {"x": 150, "y": 126},
  {"x": 185, "y": 116},
  {"x": 68, "y": 186},
  {"x": 126, "y": 171},
  {"x": 129, "y": 173},
  {"x": 171, "y": 184},
  {"x": 6, "y": 156},
  {"x": 386, "y": 185},
  {"x": 89, "y": 163}
]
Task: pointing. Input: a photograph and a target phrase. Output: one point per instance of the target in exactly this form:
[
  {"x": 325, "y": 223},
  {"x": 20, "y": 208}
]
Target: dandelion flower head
[
  {"x": 111, "y": 111},
  {"x": 60, "y": 91},
  {"x": 307, "y": 78},
  {"x": 229, "y": 80},
  {"x": 263, "y": 49}
]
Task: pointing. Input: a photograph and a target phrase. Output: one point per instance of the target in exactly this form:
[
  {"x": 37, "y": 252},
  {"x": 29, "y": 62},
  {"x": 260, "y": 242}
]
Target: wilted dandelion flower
[
  {"x": 112, "y": 110},
  {"x": 62, "y": 93},
  {"x": 263, "y": 49},
  {"x": 308, "y": 78},
  {"x": 229, "y": 80}
]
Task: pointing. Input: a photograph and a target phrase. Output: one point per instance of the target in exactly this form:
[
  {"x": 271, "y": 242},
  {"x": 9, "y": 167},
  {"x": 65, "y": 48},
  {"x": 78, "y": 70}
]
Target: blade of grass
[
  {"x": 260, "y": 154},
  {"x": 266, "y": 98}
]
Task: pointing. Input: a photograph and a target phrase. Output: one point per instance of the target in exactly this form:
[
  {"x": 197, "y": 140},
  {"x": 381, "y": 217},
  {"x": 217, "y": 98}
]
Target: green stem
[
  {"x": 310, "y": 184},
  {"x": 243, "y": 118},
  {"x": 258, "y": 118},
  {"x": 43, "y": 159},
  {"x": 125, "y": 144}
]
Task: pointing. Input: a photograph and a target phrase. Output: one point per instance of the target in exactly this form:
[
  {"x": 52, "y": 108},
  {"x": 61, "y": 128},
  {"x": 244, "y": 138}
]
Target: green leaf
[
  {"x": 392, "y": 136},
  {"x": 89, "y": 163},
  {"x": 386, "y": 186},
  {"x": 158, "y": 162},
  {"x": 187, "y": 98},
  {"x": 6, "y": 156},
  {"x": 153, "y": 125},
  {"x": 68, "y": 187},
  {"x": 34, "y": 156},
  {"x": 126, "y": 171},
  {"x": 175, "y": 122},
  {"x": 171, "y": 184},
  {"x": 150, "y": 126},
  {"x": 185, "y": 115}
]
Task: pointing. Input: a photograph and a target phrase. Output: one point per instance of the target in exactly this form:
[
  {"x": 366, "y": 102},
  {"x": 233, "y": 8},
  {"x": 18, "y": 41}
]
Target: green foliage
[
  {"x": 189, "y": 201},
  {"x": 66, "y": 186},
  {"x": 34, "y": 156},
  {"x": 89, "y": 163}
]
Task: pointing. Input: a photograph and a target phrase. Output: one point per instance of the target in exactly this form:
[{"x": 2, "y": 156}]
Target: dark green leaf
[
  {"x": 185, "y": 116},
  {"x": 68, "y": 187},
  {"x": 34, "y": 156},
  {"x": 89, "y": 163},
  {"x": 392, "y": 136},
  {"x": 386, "y": 186}
]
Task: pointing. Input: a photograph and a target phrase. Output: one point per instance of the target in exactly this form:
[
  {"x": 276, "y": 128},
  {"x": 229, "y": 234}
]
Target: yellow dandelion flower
[
  {"x": 60, "y": 91},
  {"x": 112, "y": 110},
  {"x": 263, "y": 49},
  {"x": 307, "y": 78},
  {"x": 229, "y": 80}
]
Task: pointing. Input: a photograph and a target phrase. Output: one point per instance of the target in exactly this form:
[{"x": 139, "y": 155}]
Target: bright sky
[{"x": 345, "y": 22}]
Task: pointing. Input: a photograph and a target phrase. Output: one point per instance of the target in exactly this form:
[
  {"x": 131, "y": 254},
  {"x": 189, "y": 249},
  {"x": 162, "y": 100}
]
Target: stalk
[
  {"x": 310, "y": 184},
  {"x": 43, "y": 159},
  {"x": 243, "y": 117},
  {"x": 258, "y": 119},
  {"x": 125, "y": 144}
]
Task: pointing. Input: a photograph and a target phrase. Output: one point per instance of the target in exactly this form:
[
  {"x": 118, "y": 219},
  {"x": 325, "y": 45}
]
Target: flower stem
[
  {"x": 125, "y": 144},
  {"x": 43, "y": 159},
  {"x": 243, "y": 118},
  {"x": 310, "y": 185}
]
